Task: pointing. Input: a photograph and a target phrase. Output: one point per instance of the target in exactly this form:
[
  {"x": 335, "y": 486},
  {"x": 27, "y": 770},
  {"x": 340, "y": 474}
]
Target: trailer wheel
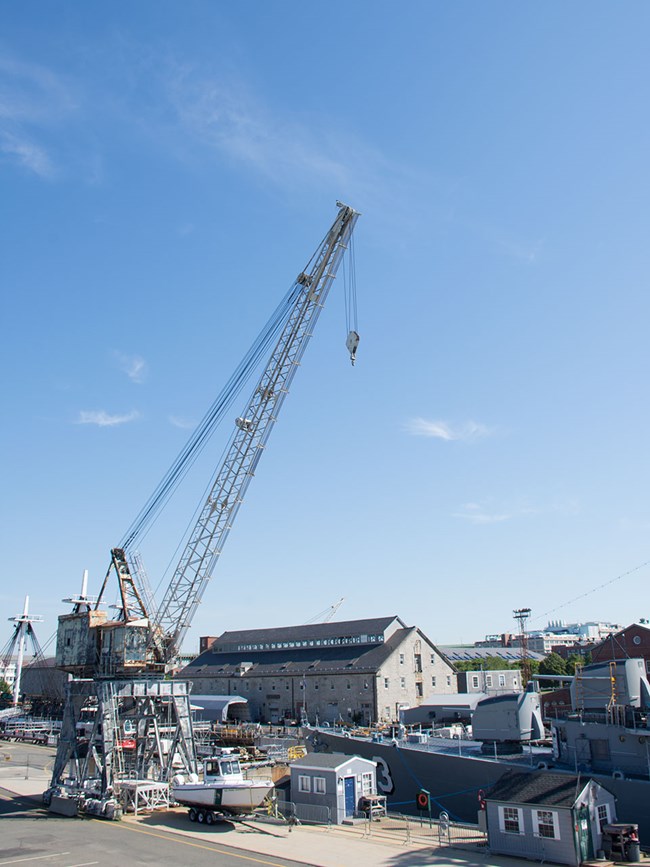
[
  {"x": 192, "y": 815},
  {"x": 209, "y": 818},
  {"x": 200, "y": 816}
]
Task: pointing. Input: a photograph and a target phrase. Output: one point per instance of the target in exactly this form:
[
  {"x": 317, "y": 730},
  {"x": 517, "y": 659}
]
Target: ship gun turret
[{"x": 504, "y": 722}]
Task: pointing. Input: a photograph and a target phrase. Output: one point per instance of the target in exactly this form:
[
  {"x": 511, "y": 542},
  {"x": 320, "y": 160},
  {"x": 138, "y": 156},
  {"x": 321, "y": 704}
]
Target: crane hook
[{"x": 352, "y": 344}]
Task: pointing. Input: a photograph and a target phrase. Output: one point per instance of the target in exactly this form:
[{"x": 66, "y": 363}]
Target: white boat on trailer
[{"x": 223, "y": 791}]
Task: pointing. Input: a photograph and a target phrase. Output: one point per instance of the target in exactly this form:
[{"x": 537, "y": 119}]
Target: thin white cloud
[
  {"x": 223, "y": 114},
  {"x": 476, "y": 514},
  {"x": 31, "y": 99},
  {"x": 467, "y": 432},
  {"x": 183, "y": 423},
  {"x": 528, "y": 252},
  {"x": 134, "y": 366},
  {"x": 101, "y": 418},
  {"x": 27, "y": 154}
]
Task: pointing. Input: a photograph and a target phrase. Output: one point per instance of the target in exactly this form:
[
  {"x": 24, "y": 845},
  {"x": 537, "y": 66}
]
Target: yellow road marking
[{"x": 212, "y": 848}]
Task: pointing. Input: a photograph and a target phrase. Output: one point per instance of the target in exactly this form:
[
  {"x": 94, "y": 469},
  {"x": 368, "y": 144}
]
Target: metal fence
[
  {"x": 308, "y": 814},
  {"x": 438, "y": 832}
]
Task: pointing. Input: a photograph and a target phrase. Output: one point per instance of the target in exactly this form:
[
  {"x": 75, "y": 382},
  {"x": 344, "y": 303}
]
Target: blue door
[{"x": 349, "y": 796}]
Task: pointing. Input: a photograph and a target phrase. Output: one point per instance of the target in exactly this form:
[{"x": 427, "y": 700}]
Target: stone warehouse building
[{"x": 358, "y": 671}]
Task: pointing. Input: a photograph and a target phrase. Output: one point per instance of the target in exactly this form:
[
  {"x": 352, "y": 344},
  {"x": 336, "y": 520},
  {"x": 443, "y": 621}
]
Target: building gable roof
[
  {"x": 339, "y": 658},
  {"x": 334, "y": 629},
  {"x": 538, "y": 787},
  {"x": 621, "y": 644},
  {"x": 327, "y": 761}
]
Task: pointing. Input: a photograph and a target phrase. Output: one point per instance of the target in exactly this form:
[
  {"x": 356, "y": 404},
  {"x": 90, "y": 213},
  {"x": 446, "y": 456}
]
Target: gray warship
[{"x": 604, "y": 735}]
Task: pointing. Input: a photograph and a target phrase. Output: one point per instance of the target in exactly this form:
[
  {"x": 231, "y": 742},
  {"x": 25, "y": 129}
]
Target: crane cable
[
  {"x": 350, "y": 279},
  {"x": 201, "y": 436},
  {"x": 350, "y": 294}
]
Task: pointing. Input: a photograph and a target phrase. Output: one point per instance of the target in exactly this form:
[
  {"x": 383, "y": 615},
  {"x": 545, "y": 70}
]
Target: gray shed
[
  {"x": 333, "y": 780},
  {"x": 548, "y": 817}
]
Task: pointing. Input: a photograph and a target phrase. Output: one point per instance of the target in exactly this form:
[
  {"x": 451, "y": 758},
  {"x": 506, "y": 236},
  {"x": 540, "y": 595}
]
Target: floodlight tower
[{"x": 521, "y": 615}]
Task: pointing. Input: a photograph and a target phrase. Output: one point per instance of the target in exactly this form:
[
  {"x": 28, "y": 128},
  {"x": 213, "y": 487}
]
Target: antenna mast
[{"x": 521, "y": 615}]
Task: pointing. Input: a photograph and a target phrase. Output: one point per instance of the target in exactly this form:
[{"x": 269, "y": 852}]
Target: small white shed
[{"x": 333, "y": 780}]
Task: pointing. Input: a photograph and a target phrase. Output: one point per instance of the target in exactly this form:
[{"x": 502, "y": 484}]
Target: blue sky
[{"x": 168, "y": 168}]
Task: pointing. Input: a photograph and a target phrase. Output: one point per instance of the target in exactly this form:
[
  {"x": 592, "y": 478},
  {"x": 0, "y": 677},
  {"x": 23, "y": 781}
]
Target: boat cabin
[{"x": 225, "y": 764}]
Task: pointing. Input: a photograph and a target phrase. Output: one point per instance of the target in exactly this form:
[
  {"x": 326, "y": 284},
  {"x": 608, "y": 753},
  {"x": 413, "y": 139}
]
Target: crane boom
[{"x": 252, "y": 430}]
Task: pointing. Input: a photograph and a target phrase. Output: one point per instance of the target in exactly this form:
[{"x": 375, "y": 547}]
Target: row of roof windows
[{"x": 310, "y": 642}]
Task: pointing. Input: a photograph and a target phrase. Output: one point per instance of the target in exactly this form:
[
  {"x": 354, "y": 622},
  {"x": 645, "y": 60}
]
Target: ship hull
[{"x": 456, "y": 781}]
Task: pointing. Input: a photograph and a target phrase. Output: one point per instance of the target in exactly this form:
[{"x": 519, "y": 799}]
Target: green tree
[
  {"x": 487, "y": 663},
  {"x": 533, "y": 665},
  {"x": 5, "y": 693},
  {"x": 552, "y": 664}
]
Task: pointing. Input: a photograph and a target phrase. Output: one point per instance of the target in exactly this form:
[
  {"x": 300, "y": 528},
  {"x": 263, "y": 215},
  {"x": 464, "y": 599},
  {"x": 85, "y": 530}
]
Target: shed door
[
  {"x": 349, "y": 796},
  {"x": 584, "y": 834}
]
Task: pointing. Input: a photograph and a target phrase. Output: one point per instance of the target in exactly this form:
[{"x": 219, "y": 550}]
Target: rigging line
[
  {"x": 201, "y": 435},
  {"x": 193, "y": 454},
  {"x": 352, "y": 265},
  {"x": 192, "y": 448},
  {"x": 172, "y": 563},
  {"x": 594, "y": 589},
  {"x": 191, "y": 522},
  {"x": 350, "y": 290},
  {"x": 224, "y": 399}
]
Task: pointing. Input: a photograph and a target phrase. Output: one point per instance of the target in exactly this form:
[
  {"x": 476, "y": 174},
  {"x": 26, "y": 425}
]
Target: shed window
[
  {"x": 545, "y": 824},
  {"x": 304, "y": 783},
  {"x": 366, "y": 783},
  {"x": 488, "y": 680},
  {"x": 475, "y": 681},
  {"x": 319, "y": 785},
  {"x": 510, "y": 820},
  {"x": 603, "y": 815},
  {"x": 502, "y": 680}
]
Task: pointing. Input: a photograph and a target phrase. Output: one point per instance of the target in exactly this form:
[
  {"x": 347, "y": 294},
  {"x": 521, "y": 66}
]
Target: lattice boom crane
[{"x": 141, "y": 640}]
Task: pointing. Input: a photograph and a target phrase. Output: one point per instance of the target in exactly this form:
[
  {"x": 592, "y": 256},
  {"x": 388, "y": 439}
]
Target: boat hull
[{"x": 230, "y": 799}]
